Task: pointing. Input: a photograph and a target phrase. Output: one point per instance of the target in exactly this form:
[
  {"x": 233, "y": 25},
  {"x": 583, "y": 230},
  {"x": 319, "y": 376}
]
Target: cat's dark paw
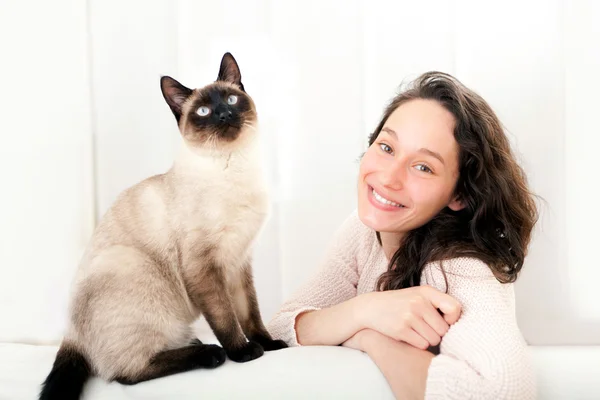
[
  {"x": 267, "y": 343},
  {"x": 210, "y": 356},
  {"x": 250, "y": 351},
  {"x": 270, "y": 345},
  {"x": 195, "y": 342}
]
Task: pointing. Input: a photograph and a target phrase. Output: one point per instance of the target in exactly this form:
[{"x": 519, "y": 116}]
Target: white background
[{"x": 82, "y": 118}]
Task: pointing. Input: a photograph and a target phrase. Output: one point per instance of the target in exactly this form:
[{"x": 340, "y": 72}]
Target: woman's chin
[
  {"x": 374, "y": 220},
  {"x": 384, "y": 221}
]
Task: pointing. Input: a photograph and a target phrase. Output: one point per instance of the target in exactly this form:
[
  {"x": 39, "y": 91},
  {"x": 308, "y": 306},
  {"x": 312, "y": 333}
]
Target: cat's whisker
[
  {"x": 249, "y": 126},
  {"x": 211, "y": 142},
  {"x": 215, "y": 142}
]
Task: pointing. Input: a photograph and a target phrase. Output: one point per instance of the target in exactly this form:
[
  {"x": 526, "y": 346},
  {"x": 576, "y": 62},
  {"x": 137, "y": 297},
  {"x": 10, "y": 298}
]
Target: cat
[{"x": 171, "y": 248}]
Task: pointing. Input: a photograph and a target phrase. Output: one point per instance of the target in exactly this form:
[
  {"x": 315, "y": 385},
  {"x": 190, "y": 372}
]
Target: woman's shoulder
[
  {"x": 354, "y": 236},
  {"x": 469, "y": 280},
  {"x": 457, "y": 269}
]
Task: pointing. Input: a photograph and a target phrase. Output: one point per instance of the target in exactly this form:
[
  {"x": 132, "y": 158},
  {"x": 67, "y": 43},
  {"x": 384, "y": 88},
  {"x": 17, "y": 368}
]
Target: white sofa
[{"x": 565, "y": 373}]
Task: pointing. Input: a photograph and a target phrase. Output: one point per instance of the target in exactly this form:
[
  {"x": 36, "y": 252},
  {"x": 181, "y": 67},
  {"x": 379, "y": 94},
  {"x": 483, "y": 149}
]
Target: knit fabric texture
[{"x": 482, "y": 356}]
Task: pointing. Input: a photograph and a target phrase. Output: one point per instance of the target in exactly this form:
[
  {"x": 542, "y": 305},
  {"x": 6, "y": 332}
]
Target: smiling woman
[{"x": 441, "y": 231}]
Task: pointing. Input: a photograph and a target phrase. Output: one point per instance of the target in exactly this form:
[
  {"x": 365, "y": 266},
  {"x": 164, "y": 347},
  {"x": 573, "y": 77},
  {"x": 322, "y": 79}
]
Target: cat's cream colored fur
[
  {"x": 175, "y": 246},
  {"x": 213, "y": 200}
]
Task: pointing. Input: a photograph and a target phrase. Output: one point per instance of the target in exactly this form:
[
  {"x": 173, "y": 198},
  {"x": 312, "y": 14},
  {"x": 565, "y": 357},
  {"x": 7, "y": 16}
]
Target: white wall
[
  {"x": 321, "y": 73},
  {"x": 46, "y": 201},
  {"x": 581, "y": 142}
]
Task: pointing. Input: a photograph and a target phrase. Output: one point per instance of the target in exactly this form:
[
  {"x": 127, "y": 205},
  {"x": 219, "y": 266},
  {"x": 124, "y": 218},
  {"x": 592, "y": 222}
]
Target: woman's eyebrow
[
  {"x": 421, "y": 150},
  {"x": 432, "y": 153},
  {"x": 390, "y": 131}
]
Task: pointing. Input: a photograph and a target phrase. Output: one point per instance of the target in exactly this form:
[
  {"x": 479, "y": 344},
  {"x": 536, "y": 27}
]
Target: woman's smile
[{"x": 382, "y": 203}]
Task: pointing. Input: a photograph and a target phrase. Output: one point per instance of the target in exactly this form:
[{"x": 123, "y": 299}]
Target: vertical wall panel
[
  {"x": 582, "y": 141},
  {"x": 321, "y": 99},
  {"x": 401, "y": 41},
  {"x": 132, "y": 46},
  {"x": 45, "y": 164}
]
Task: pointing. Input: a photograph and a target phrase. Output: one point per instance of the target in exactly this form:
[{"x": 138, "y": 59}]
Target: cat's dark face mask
[
  {"x": 216, "y": 114},
  {"x": 220, "y": 110}
]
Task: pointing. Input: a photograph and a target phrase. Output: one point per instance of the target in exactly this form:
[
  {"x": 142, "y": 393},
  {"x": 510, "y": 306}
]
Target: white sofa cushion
[
  {"x": 309, "y": 372},
  {"x": 295, "y": 373}
]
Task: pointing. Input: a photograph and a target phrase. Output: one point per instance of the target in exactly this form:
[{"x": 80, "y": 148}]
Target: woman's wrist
[
  {"x": 370, "y": 338},
  {"x": 335, "y": 324},
  {"x": 362, "y": 309}
]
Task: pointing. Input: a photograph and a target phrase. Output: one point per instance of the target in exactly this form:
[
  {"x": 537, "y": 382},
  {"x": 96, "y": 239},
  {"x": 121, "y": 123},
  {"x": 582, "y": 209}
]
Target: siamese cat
[{"x": 171, "y": 248}]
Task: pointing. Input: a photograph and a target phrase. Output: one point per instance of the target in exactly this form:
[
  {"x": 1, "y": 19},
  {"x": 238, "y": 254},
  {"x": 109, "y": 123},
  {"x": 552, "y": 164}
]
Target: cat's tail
[{"x": 68, "y": 375}]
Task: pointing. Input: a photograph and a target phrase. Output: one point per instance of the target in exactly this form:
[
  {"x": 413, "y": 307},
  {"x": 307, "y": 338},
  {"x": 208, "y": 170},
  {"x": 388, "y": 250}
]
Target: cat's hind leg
[
  {"x": 169, "y": 362},
  {"x": 135, "y": 323}
]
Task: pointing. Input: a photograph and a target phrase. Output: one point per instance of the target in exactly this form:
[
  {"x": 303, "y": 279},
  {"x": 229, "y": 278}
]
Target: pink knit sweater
[{"x": 482, "y": 356}]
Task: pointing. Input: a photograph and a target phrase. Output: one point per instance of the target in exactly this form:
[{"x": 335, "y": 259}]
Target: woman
[{"x": 441, "y": 232}]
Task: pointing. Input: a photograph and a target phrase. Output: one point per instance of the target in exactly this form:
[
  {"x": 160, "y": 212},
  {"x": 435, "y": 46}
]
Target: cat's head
[{"x": 216, "y": 115}]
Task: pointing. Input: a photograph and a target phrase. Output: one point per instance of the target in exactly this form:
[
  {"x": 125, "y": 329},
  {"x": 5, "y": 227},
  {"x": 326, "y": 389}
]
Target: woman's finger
[
  {"x": 426, "y": 332},
  {"x": 414, "y": 339},
  {"x": 434, "y": 319},
  {"x": 449, "y": 306}
]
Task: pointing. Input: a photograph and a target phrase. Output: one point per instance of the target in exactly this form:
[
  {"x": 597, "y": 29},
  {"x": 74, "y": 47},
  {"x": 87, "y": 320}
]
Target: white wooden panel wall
[
  {"x": 45, "y": 164},
  {"x": 581, "y": 143},
  {"x": 133, "y": 44},
  {"x": 321, "y": 73},
  {"x": 322, "y": 139}
]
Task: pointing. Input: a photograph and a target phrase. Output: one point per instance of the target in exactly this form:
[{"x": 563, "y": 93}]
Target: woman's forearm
[
  {"x": 331, "y": 326},
  {"x": 405, "y": 368}
]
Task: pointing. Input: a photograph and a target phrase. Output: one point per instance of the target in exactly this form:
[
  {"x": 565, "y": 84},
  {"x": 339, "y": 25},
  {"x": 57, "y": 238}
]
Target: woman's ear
[{"x": 456, "y": 204}]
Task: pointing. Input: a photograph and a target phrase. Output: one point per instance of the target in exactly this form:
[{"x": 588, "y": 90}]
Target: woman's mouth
[{"x": 379, "y": 199}]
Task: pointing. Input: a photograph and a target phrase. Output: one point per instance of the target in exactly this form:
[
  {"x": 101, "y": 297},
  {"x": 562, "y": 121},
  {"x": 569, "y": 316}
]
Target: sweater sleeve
[
  {"x": 335, "y": 282},
  {"x": 483, "y": 355}
]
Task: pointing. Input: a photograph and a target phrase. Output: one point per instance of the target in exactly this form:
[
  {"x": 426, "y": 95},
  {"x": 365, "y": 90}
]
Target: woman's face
[{"x": 408, "y": 175}]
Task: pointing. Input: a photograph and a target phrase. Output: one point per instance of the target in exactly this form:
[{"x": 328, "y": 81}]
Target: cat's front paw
[
  {"x": 209, "y": 355},
  {"x": 250, "y": 351},
  {"x": 270, "y": 345}
]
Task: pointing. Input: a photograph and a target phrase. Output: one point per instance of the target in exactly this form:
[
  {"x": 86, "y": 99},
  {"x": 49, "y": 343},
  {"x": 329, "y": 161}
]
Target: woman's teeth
[{"x": 383, "y": 200}]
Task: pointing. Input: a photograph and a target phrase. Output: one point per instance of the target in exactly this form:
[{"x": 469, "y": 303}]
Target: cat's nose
[{"x": 224, "y": 115}]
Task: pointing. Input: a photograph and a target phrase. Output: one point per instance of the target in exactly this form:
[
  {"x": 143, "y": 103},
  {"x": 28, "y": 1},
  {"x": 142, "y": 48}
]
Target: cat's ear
[
  {"x": 230, "y": 71},
  {"x": 175, "y": 94}
]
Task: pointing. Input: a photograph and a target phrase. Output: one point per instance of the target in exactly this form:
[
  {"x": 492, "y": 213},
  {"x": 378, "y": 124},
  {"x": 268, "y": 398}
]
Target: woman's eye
[
  {"x": 232, "y": 99},
  {"x": 385, "y": 148},
  {"x": 203, "y": 111},
  {"x": 424, "y": 168}
]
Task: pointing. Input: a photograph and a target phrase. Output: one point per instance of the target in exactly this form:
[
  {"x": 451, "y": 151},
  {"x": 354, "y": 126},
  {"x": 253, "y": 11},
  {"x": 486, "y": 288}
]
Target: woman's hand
[{"x": 410, "y": 315}]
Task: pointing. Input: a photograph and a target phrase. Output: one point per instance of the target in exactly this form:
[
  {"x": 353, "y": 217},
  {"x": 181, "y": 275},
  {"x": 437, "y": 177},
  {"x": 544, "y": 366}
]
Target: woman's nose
[{"x": 394, "y": 176}]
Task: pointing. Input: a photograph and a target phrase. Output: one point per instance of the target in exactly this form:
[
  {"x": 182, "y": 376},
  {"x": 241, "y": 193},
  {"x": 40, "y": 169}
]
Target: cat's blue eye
[
  {"x": 232, "y": 99},
  {"x": 203, "y": 111},
  {"x": 385, "y": 148}
]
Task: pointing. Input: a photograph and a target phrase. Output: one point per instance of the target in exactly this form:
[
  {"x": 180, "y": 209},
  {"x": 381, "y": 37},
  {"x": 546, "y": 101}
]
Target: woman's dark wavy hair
[{"x": 496, "y": 223}]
